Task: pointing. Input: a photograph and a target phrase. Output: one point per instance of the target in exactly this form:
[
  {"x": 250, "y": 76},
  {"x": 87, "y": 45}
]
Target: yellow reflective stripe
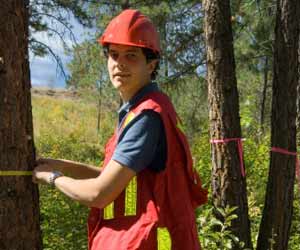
[
  {"x": 128, "y": 119},
  {"x": 131, "y": 197},
  {"x": 14, "y": 173},
  {"x": 163, "y": 239},
  {"x": 108, "y": 212}
]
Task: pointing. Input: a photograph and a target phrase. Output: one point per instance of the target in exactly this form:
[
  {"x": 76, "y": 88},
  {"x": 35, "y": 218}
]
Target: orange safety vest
[{"x": 156, "y": 210}]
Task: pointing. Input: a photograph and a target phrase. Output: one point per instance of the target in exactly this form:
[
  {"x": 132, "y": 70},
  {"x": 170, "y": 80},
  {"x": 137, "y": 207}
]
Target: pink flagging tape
[
  {"x": 283, "y": 151},
  {"x": 286, "y": 152},
  {"x": 240, "y": 149}
]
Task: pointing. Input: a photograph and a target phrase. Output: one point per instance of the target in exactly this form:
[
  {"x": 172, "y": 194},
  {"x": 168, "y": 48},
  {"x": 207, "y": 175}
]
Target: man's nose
[{"x": 121, "y": 61}]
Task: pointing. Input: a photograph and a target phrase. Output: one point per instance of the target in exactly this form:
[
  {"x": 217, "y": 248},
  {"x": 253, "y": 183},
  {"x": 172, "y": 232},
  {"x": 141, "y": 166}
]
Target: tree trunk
[
  {"x": 278, "y": 209},
  {"x": 99, "y": 107},
  {"x": 298, "y": 99},
  {"x": 298, "y": 115},
  {"x": 264, "y": 94},
  {"x": 19, "y": 203},
  {"x": 228, "y": 184}
]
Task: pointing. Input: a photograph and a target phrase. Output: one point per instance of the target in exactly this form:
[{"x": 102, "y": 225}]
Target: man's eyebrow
[
  {"x": 129, "y": 50},
  {"x": 132, "y": 50}
]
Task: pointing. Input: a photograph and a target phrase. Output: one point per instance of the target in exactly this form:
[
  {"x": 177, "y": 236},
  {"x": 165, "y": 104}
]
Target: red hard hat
[{"x": 131, "y": 28}]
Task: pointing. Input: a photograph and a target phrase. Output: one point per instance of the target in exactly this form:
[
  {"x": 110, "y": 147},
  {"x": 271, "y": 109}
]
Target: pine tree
[
  {"x": 278, "y": 208},
  {"x": 19, "y": 201},
  {"x": 228, "y": 181}
]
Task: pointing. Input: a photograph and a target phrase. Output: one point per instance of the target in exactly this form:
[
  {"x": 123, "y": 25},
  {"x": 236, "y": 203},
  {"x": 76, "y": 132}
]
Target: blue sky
[{"x": 44, "y": 70}]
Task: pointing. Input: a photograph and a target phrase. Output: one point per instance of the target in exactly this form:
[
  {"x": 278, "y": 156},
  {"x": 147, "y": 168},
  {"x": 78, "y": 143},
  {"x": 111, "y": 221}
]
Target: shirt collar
[{"x": 138, "y": 96}]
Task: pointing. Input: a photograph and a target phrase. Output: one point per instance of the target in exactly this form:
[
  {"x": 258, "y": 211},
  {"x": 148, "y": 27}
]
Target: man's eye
[
  {"x": 113, "y": 55},
  {"x": 131, "y": 56}
]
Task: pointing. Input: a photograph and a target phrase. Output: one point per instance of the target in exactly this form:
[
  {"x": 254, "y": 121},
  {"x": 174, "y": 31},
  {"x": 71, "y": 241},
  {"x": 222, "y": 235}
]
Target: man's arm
[
  {"x": 94, "y": 192},
  {"x": 74, "y": 169}
]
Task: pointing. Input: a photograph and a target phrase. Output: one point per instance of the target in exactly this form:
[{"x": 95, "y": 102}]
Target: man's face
[{"x": 128, "y": 68}]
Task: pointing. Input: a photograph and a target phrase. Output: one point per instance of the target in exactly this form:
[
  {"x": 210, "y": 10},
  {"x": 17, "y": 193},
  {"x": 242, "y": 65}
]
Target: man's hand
[{"x": 41, "y": 174}]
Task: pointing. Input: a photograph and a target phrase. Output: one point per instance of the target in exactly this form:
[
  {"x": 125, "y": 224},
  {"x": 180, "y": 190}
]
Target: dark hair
[{"x": 149, "y": 54}]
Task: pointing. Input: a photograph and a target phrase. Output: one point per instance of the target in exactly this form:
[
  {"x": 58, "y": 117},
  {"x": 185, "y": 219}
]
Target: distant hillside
[{"x": 55, "y": 92}]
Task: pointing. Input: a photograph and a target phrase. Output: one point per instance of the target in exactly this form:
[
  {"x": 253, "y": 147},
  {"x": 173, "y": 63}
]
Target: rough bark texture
[
  {"x": 228, "y": 185},
  {"x": 277, "y": 213},
  {"x": 264, "y": 94},
  {"x": 19, "y": 205},
  {"x": 298, "y": 98}
]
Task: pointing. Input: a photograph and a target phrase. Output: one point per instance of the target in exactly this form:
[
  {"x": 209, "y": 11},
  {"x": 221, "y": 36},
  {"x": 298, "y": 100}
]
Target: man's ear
[{"x": 152, "y": 65}]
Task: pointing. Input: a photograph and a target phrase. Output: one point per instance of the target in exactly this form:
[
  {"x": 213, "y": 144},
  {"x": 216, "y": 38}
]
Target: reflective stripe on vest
[
  {"x": 163, "y": 239},
  {"x": 131, "y": 197},
  {"x": 131, "y": 189},
  {"x": 108, "y": 212},
  {"x": 130, "y": 201},
  {"x": 128, "y": 119}
]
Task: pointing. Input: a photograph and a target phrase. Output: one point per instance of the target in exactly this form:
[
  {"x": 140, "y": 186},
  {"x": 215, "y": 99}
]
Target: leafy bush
[
  {"x": 223, "y": 238},
  {"x": 63, "y": 222},
  {"x": 66, "y": 129}
]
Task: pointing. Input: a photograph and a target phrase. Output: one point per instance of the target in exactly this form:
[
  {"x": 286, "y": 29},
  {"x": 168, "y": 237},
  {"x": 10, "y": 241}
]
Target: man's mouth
[{"x": 121, "y": 75}]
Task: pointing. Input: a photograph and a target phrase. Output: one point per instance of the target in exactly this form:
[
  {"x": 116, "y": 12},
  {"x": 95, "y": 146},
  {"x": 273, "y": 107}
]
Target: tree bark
[
  {"x": 19, "y": 203},
  {"x": 298, "y": 114},
  {"x": 298, "y": 99},
  {"x": 264, "y": 94},
  {"x": 278, "y": 208},
  {"x": 228, "y": 184}
]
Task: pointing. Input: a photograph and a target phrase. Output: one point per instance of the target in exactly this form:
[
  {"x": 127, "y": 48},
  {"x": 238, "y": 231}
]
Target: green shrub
[{"x": 223, "y": 238}]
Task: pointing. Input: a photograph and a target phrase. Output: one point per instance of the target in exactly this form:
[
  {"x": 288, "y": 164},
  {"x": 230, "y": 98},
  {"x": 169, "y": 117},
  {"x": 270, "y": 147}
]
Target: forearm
[
  {"x": 92, "y": 192},
  {"x": 77, "y": 170},
  {"x": 83, "y": 191}
]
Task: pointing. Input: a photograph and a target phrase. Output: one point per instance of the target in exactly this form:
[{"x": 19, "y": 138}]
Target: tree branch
[
  {"x": 72, "y": 35},
  {"x": 56, "y": 57}
]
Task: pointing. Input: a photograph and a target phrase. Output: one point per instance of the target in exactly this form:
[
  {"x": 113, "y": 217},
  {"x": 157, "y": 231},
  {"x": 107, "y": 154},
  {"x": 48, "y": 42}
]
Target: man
[{"x": 145, "y": 195}]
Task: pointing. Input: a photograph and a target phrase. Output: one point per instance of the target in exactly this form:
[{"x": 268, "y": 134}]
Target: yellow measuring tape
[{"x": 15, "y": 173}]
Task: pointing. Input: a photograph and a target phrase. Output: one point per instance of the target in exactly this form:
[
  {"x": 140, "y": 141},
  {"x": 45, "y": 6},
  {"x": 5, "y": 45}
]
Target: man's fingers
[
  {"x": 34, "y": 179},
  {"x": 40, "y": 161}
]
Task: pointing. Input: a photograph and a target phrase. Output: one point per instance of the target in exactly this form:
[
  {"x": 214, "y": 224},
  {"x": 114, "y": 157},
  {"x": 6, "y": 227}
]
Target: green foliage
[
  {"x": 52, "y": 18},
  {"x": 190, "y": 106},
  {"x": 294, "y": 240},
  {"x": 253, "y": 29},
  {"x": 67, "y": 129},
  {"x": 87, "y": 67},
  {"x": 202, "y": 160},
  {"x": 256, "y": 158},
  {"x": 63, "y": 222},
  {"x": 222, "y": 238}
]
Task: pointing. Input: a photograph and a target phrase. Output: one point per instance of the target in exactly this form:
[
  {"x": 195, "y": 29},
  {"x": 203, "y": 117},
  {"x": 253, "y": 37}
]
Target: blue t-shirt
[{"x": 142, "y": 143}]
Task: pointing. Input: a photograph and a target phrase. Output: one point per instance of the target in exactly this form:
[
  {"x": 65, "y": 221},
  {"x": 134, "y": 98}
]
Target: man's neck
[{"x": 127, "y": 96}]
